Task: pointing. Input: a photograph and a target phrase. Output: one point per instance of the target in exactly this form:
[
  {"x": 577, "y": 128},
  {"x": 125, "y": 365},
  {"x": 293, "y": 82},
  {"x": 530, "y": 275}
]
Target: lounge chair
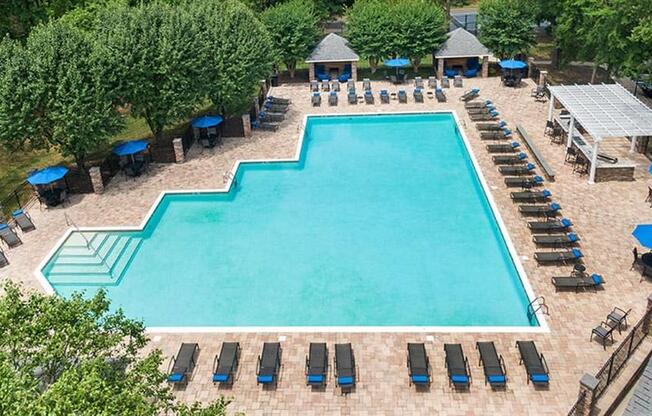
[
  {"x": 432, "y": 82},
  {"x": 604, "y": 332},
  {"x": 418, "y": 82},
  {"x": 317, "y": 364},
  {"x": 548, "y": 210},
  {"x": 439, "y": 94},
  {"x": 332, "y": 98},
  {"x": 269, "y": 363},
  {"x": 556, "y": 240},
  {"x": 565, "y": 256},
  {"x": 226, "y": 364},
  {"x": 509, "y": 159},
  {"x": 366, "y": 84},
  {"x": 503, "y": 148},
  {"x": 336, "y": 86},
  {"x": 9, "y": 236},
  {"x": 490, "y": 126},
  {"x": 493, "y": 364},
  {"x": 577, "y": 282},
  {"x": 23, "y": 220},
  {"x": 314, "y": 86},
  {"x": 345, "y": 373},
  {"x": 418, "y": 364},
  {"x": 418, "y": 95},
  {"x": 275, "y": 108},
  {"x": 617, "y": 318},
  {"x": 325, "y": 85},
  {"x": 478, "y": 104},
  {"x": 530, "y": 196},
  {"x": 278, "y": 100},
  {"x": 261, "y": 125},
  {"x": 445, "y": 83},
  {"x": 183, "y": 364},
  {"x": 492, "y": 115},
  {"x": 316, "y": 99},
  {"x": 502, "y": 134},
  {"x": 352, "y": 97},
  {"x": 557, "y": 226},
  {"x": 350, "y": 85},
  {"x": 457, "y": 366},
  {"x": 524, "y": 182},
  {"x": 368, "y": 97},
  {"x": 471, "y": 94},
  {"x": 458, "y": 81},
  {"x": 273, "y": 117},
  {"x": 535, "y": 364},
  {"x": 527, "y": 169},
  {"x": 384, "y": 97},
  {"x": 480, "y": 110},
  {"x": 402, "y": 96}
]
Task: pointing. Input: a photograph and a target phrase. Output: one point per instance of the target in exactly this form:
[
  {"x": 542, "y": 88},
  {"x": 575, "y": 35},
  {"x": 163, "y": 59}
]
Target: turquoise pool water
[{"x": 383, "y": 222}]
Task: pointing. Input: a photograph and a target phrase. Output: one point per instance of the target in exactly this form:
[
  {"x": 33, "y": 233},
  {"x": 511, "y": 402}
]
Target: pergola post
[
  {"x": 551, "y": 106},
  {"x": 571, "y": 129},
  {"x": 311, "y": 71},
  {"x": 594, "y": 159},
  {"x": 440, "y": 68},
  {"x": 485, "y": 66},
  {"x": 632, "y": 148}
]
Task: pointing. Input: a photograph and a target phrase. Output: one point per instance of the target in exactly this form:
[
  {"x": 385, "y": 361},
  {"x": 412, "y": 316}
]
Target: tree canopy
[{"x": 506, "y": 26}]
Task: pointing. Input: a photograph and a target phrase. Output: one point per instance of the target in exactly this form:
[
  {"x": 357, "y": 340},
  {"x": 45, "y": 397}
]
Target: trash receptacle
[{"x": 274, "y": 80}]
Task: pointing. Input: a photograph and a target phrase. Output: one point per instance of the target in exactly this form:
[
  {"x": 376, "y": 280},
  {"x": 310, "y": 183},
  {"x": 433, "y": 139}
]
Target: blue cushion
[
  {"x": 175, "y": 378},
  {"x": 530, "y": 166},
  {"x": 383, "y": 92},
  {"x": 419, "y": 379},
  {"x": 539, "y": 378},
  {"x": 459, "y": 379},
  {"x": 317, "y": 378},
  {"x": 345, "y": 380},
  {"x": 538, "y": 179},
  {"x": 3, "y": 226},
  {"x": 566, "y": 222},
  {"x": 597, "y": 279},
  {"x": 522, "y": 156},
  {"x": 333, "y": 93},
  {"x": 220, "y": 378},
  {"x": 489, "y": 102},
  {"x": 502, "y": 123},
  {"x": 572, "y": 237},
  {"x": 476, "y": 90},
  {"x": 417, "y": 90},
  {"x": 496, "y": 379},
  {"x": 555, "y": 206},
  {"x": 515, "y": 144},
  {"x": 17, "y": 213},
  {"x": 546, "y": 193},
  {"x": 367, "y": 92},
  {"x": 577, "y": 253},
  {"x": 315, "y": 94},
  {"x": 265, "y": 379}
]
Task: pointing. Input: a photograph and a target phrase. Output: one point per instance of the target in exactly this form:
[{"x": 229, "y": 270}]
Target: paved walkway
[{"x": 604, "y": 215}]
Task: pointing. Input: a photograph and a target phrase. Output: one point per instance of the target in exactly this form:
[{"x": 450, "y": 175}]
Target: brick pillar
[
  {"x": 246, "y": 125},
  {"x": 311, "y": 72},
  {"x": 179, "y": 156},
  {"x": 440, "y": 68},
  {"x": 354, "y": 71},
  {"x": 647, "y": 323},
  {"x": 543, "y": 75},
  {"x": 96, "y": 179},
  {"x": 588, "y": 384},
  {"x": 485, "y": 66}
]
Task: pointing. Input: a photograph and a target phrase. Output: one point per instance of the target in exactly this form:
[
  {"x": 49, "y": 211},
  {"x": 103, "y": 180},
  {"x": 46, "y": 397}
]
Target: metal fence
[
  {"x": 18, "y": 198},
  {"x": 578, "y": 406}
]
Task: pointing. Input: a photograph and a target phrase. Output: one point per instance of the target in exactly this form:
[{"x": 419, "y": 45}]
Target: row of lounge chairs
[
  {"x": 225, "y": 364},
  {"x": 8, "y": 234},
  {"x": 271, "y": 114},
  {"x": 384, "y": 95}
]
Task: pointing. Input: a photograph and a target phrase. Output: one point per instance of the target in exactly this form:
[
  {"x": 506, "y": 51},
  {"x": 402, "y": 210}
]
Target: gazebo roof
[
  {"x": 461, "y": 44},
  {"x": 605, "y": 110},
  {"x": 333, "y": 48}
]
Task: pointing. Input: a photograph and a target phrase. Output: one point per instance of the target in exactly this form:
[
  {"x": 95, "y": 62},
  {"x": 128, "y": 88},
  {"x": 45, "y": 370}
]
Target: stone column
[
  {"x": 96, "y": 179},
  {"x": 246, "y": 125},
  {"x": 311, "y": 72},
  {"x": 485, "y": 66},
  {"x": 543, "y": 75},
  {"x": 588, "y": 384},
  {"x": 179, "y": 156},
  {"x": 647, "y": 322},
  {"x": 440, "y": 68},
  {"x": 354, "y": 70}
]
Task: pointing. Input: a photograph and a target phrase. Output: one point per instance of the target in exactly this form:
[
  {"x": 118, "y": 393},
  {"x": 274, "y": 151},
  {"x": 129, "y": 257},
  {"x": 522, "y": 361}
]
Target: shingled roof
[
  {"x": 333, "y": 48},
  {"x": 461, "y": 44}
]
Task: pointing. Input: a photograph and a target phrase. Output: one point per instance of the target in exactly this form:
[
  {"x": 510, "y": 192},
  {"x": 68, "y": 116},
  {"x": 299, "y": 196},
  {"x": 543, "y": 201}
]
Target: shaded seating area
[
  {"x": 397, "y": 64},
  {"x": 207, "y": 128},
  {"x": 513, "y": 72},
  {"x": 333, "y": 59},
  {"x": 50, "y": 185},
  {"x": 461, "y": 54},
  {"x": 131, "y": 156}
]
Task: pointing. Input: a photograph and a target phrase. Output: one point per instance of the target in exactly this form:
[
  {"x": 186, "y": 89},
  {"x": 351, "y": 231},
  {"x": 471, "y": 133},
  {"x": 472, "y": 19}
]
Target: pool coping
[{"x": 229, "y": 177}]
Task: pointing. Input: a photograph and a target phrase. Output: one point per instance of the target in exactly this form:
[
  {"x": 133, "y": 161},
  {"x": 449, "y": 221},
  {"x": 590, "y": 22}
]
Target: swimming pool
[{"x": 383, "y": 222}]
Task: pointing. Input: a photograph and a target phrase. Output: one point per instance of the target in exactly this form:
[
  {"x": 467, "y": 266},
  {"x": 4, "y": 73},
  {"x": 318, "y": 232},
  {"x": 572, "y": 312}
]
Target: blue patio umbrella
[
  {"x": 205, "y": 122},
  {"x": 643, "y": 233},
  {"x": 397, "y": 62},
  {"x": 47, "y": 175},
  {"x": 130, "y": 148},
  {"x": 650, "y": 169},
  {"x": 512, "y": 64}
]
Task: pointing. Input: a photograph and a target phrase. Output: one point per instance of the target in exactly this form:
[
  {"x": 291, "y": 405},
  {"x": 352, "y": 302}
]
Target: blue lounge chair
[
  {"x": 402, "y": 96},
  {"x": 573, "y": 254},
  {"x": 352, "y": 97},
  {"x": 316, "y": 99},
  {"x": 418, "y": 364},
  {"x": 183, "y": 363},
  {"x": 368, "y": 97},
  {"x": 384, "y": 97},
  {"x": 535, "y": 364},
  {"x": 550, "y": 226},
  {"x": 457, "y": 366},
  {"x": 578, "y": 282},
  {"x": 345, "y": 372},
  {"x": 418, "y": 95},
  {"x": 269, "y": 363},
  {"x": 226, "y": 364},
  {"x": 317, "y": 364},
  {"x": 556, "y": 240},
  {"x": 439, "y": 93},
  {"x": 471, "y": 94},
  {"x": 9, "y": 236},
  {"x": 493, "y": 364}
]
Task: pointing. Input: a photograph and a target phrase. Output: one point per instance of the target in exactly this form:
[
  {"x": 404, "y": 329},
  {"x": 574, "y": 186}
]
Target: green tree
[
  {"x": 367, "y": 30},
  {"x": 294, "y": 27},
  {"x": 506, "y": 26}
]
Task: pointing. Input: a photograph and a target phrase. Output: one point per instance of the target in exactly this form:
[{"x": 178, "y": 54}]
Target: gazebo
[
  {"x": 332, "y": 58},
  {"x": 461, "y": 53},
  {"x": 603, "y": 111}
]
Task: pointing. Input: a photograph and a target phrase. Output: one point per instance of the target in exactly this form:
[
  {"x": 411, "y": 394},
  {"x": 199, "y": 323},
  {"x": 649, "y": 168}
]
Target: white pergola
[{"x": 604, "y": 110}]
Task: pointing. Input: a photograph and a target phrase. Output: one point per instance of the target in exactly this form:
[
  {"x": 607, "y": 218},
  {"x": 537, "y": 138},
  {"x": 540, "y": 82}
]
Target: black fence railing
[
  {"x": 578, "y": 407},
  {"x": 16, "y": 199}
]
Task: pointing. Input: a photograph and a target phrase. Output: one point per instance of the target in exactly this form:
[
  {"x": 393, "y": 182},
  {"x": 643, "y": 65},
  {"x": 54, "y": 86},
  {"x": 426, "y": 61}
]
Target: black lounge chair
[
  {"x": 457, "y": 366},
  {"x": 336, "y": 86},
  {"x": 344, "y": 366},
  {"x": 418, "y": 364},
  {"x": 183, "y": 364},
  {"x": 503, "y": 134},
  {"x": 278, "y": 100},
  {"x": 471, "y": 94},
  {"x": 276, "y": 108},
  {"x": 535, "y": 364},
  {"x": 549, "y": 210},
  {"x": 315, "y": 99},
  {"x": 418, "y": 95},
  {"x": 368, "y": 97},
  {"x": 493, "y": 364},
  {"x": 557, "y": 226},
  {"x": 350, "y": 85},
  {"x": 480, "y": 110},
  {"x": 440, "y": 95},
  {"x": 384, "y": 97},
  {"x": 272, "y": 117},
  {"x": 3, "y": 259},
  {"x": 332, "y": 98},
  {"x": 503, "y": 148},
  {"x": 517, "y": 170},
  {"x": 269, "y": 363},
  {"x": 352, "y": 97},
  {"x": 402, "y": 96},
  {"x": 556, "y": 240},
  {"x": 9, "y": 236},
  {"x": 524, "y": 182},
  {"x": 226, "y": 364},
  {"x": 604, "y": 332},
  {"x": 617, "y": 318},
  {"x": 418, "y": 82},
  {"x": 577, "y": 282},
  {"x": 325, "y": 85},
  {"x": 366, "y": 84},
  {"x": 491, "y": 115},
  {"x": 23, "y": 220},
  {"x": 317, "y": 364},
  {"x": 509, "y": 159},
  {"x": 531, "y": 196},
  {"x": 490, "y": 126},
  {"x": 432, "y": 82},
  {"x": 565, "y": 256},
  {"x": 261, "y": 125},
  {"x": 478, "y": 104},
  {"x": 314, "y": 86}
]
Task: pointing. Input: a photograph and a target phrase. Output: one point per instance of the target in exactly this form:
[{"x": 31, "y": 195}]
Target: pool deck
[{"x": 603, "y": 215}]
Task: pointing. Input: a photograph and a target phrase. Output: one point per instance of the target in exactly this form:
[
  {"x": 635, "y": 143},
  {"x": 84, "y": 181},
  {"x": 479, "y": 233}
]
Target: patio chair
[
  {"x": 418, "y": 95},
  {"x": 368, "y": 97},
  {"x": 535, "y": 364},
  {"x": 503, "y": 148},
  {"x": 278, "y": 100},
  {"x": 275, "y": 108},
  {"x": 496, "y": 134},
  {"x": 9, "y": 236},
  {"x": 332, "y": 98},
  {"x": 317, "y": 364},
  {"x": 527, "y": 169},
  {"x": 491, "y": 126},
  {"x": 439, "y": 94},
  {"x": 352, "y": 97},
  {"x": 509, "y": 159},
  {"x": 459, "y": 374},
  {"x": 418, "y": 364},
  {"x": 23, "y": 220},
  {"x": 225, "y": 365},
  {"x": 478, "y": 104},
  {"x": 325, "y": 85},
  {"x": 524, "y": 182},
  {"x": 316, "y": 99},
  {"x": 445, "y": 83},
  {"x": 402, "y": 96},
  {"x": 470, "y": 94},
  {"x": 345, "y": 371},
  {"x": 418, "y": 82},
  {"x": 565, "y": 256},
  {"x": 557, "y": 226},
  {"x": 491, "y": 115},
  {"x": 350, "y": 84},
  {"x": 432, "y": 82},
  {"x": 604, "y": 333},
  {"x": 269, "y": 364},
  {"x": 449, "y": 72},
  {"x": 183, "y": 363},
  {"x": 493, "y": 364},
  {"x": 577, "y": 282},
  {"x": 384, "y": 97},
  {"x": 3, "y": 259},
  {"x": 548, "y": 210},
  {"x": 336, "y": 86},
  {"x": 556, "y": 240},
  {"x": 458, "y": 81},
  {"x": 261, "y": 125},
  {"x": 314, "y": 86},
  {"x": 617, "y": 318},
  {"x": 274, "y": 117},
  {"x": 530, "y": 196},
  {"x": 366, "y": 84}
]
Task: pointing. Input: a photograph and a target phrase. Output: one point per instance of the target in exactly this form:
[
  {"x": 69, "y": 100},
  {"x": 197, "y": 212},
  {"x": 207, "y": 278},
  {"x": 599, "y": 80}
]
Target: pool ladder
[
  {"x": 532, "y": 309},
  {"x": 229, "y": 176}
]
